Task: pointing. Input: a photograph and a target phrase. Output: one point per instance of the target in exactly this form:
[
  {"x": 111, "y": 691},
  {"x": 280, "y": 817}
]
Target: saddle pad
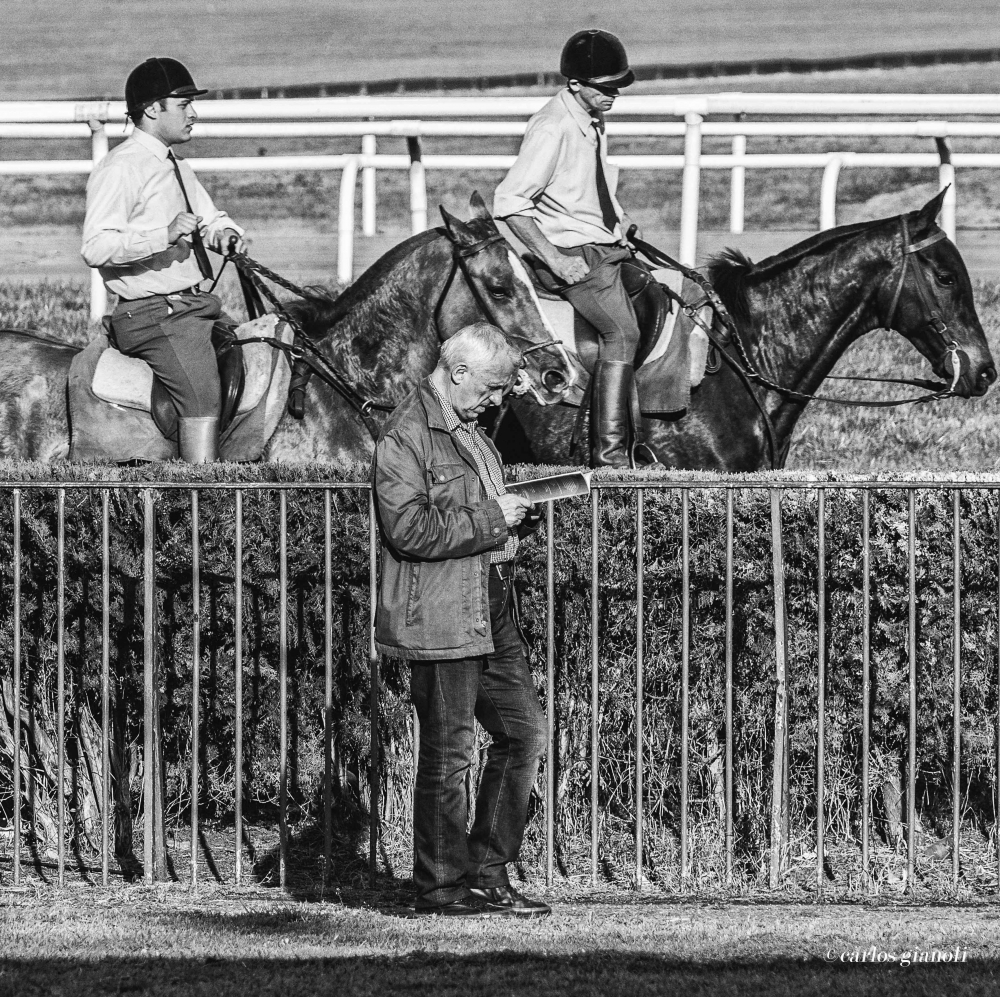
[{"x": 128, "y": 381}]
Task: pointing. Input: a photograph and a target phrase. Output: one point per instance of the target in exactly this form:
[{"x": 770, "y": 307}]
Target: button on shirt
[
  {"x": 554, "y": 179},
  {"x": 132, "y": 197},
  {"x": 490, "y": 472}
]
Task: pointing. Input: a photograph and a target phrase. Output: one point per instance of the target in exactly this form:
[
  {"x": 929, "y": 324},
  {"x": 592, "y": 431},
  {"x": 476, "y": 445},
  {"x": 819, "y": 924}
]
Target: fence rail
[{"x": 636, "y": 508}]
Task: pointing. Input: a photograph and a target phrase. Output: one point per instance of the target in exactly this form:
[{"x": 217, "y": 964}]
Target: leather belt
[
  {"x": 505, "y": 569},
  {"x": 194, "y": 289}
]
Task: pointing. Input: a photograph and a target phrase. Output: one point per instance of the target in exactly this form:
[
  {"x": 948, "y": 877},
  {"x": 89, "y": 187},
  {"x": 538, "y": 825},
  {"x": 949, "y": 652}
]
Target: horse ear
[
  {"x": 478, "y": 206},
  {"x": 458, "y": 231},
  {"x": 929, "y": 212}
]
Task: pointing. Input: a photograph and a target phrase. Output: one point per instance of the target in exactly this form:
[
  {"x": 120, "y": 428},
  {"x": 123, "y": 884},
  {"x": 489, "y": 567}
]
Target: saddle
[
  {"x": 142, "y": 389},
  {"x": 651, "y": 303}
]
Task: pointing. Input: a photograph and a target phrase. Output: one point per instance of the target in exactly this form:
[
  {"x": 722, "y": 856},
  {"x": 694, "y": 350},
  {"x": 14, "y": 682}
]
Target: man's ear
[{"x": 458, "y": 373}]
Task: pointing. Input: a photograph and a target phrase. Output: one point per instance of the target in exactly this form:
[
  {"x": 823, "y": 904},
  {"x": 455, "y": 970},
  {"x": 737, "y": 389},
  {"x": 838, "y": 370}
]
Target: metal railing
[
  {"x": 418, "y": 118},
  {"x": 647, "y": 643}
]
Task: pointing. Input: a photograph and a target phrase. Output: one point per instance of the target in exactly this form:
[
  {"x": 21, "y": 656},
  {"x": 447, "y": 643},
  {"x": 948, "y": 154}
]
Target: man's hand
[
  {"x": 184, "y": 224},
  {"x": 568, "y": 268},
  {"x": 225, "y": 237},
  {"x": 513, "y": 508}
]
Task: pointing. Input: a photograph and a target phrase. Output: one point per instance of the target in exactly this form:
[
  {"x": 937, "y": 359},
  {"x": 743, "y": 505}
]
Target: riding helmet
[
  {"x": 157, "y": 79},
  {"x": 595, "y": 56}
]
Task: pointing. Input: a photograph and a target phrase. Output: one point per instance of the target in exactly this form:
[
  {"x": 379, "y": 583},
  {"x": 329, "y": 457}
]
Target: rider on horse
[
  {"x": 559, "y": 200},
  {"x": 148, "y": 220}
]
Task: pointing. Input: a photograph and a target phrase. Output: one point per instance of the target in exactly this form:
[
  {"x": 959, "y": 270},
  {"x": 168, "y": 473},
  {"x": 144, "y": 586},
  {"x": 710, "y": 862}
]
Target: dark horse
[
  {"x": 383, "y": 333},
  {"x": 796, "y": 314}
]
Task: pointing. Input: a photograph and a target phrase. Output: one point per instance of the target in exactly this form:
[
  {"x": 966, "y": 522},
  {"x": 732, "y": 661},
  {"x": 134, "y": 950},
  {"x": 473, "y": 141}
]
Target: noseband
[{"x": 459, "y": 261}]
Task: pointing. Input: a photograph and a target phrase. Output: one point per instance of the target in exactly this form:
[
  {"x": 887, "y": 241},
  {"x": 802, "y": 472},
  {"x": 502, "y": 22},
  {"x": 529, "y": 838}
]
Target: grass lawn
[{"x": 222, "y": 943}]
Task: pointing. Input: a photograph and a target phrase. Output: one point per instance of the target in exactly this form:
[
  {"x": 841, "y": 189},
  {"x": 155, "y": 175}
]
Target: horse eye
[
  {"x": 944, "y": 278},
  {"x": 499, "y": 292}
]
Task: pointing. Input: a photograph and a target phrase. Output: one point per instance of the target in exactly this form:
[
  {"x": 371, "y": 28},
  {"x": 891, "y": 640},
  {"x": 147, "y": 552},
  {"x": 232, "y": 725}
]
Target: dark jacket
[{"x": 438, "y": 529}]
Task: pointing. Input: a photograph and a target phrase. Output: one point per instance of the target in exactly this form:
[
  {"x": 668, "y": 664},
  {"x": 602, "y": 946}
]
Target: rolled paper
[{"x": 556, "y": 486}]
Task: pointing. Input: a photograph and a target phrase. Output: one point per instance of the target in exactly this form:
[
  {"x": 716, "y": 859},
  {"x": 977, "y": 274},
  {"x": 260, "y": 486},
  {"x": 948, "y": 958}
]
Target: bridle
[
  {"x": 748, "y": 372},
  {"x": 460, "y": 256}
]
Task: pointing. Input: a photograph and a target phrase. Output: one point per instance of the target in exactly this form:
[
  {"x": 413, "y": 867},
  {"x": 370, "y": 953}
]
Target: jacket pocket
[
  {"x": 411, "y": 596},
  {"x": 447, "y": 482}
]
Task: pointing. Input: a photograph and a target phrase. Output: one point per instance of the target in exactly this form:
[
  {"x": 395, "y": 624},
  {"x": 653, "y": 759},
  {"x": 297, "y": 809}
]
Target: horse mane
[
  {"x": 731, "y": 271},
  {"x": 322, "y": 309}
]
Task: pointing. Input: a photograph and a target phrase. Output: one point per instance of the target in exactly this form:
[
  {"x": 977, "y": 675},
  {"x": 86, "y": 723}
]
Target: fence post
[
  {"x": 828, "y": 193},
  {"x": 373, "y": 780},
  {"x": 418, "y": 186},
  {"x": 690, "y": 188},
  {"x": 368, "y": 148},
  {"x": 345, "y": 221},
  {"x": 738, "y": 184},
  {"x": 780, "y": 695},
  {"x": 98, "y": 292},
  {"x": 946, "y": 178}
]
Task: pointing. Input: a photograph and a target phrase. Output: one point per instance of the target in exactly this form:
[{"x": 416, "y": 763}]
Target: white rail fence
[{"x": 416, "y": 118}]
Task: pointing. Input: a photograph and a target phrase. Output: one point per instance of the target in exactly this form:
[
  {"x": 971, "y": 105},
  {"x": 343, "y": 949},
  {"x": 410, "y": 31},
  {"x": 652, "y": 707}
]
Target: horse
[
  {"x": 382, "y": 333},
  {"x": 795, "y": 314}
]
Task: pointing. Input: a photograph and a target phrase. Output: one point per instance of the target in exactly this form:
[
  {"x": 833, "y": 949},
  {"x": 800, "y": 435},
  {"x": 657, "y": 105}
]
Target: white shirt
[
  {"x": 132, "y": 197},
  {"x": 554, "y": 179}
]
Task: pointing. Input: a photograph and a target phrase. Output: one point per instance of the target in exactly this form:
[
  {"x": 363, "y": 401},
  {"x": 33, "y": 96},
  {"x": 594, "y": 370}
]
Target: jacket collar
[{"x": 435, "y": 420}]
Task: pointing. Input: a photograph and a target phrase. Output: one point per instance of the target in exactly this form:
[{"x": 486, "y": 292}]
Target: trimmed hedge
[{"x": 753, "y": 671}]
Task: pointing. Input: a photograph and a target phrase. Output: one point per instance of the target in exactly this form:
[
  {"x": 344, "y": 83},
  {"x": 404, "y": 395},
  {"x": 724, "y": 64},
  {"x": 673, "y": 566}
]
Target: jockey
[
  {"x": 147, "y": 224},
  {"x": 559, "y": 200}
]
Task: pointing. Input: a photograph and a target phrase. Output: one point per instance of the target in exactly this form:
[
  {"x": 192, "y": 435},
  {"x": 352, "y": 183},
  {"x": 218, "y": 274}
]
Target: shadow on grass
[{"x": 600, "y": 972}]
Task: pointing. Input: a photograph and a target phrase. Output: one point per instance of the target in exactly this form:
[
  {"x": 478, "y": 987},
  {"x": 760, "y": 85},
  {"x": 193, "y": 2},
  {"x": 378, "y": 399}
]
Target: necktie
[
  {"x": 197, "y": 244},
  {"x": 608, "y": 213}
]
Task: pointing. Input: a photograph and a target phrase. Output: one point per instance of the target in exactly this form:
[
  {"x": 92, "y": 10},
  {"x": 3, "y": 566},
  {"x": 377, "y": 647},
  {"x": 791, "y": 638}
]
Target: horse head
[
  {"x": 500, "y": 290},
  {"x": 928, "y": 299}
]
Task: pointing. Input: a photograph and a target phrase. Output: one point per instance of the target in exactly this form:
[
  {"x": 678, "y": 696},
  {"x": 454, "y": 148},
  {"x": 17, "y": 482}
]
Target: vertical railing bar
[
  {"x": 911, "y": 774},
  {"x": 821, "y": 686},
  {"x": 595, "y": 756},
  {"x": 238, "y": 663},
  {"x": 996, "y": 802},
  {"x": 148, "y": 686},
  {"x": 61, "y": 680},
  {"x": 283, "y": 686},
  {"x": 957, "y": 700},
  {"x": 17, "y": 686},
  {"x": 105, "y": 684},
  {"x": 685, "y": 670},
  {"x": 373, "y": 826},
  {"x": 550, "y": 692},
  {"x": 780, "y": 761},
  {"x": 729, "y": 687},
  {"x": 866, "y": 690},
  {"x": 639, "y": 640},
  {"x": 195, "y": 679},
  {"x": 328, "y": 683}
]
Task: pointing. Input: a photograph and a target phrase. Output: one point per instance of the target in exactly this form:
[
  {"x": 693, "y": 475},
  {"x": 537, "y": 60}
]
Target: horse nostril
[{"x": 988, "y": 375}]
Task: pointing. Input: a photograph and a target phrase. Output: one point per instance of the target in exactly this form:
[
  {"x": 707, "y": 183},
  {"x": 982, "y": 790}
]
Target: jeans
[{"x": 496, "y": 690}]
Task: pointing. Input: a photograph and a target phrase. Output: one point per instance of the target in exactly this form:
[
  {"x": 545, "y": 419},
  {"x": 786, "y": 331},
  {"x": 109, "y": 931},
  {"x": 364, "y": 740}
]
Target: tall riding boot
[
  {"x": 609, "y": 414},
  {"x": 198, "y": 440}
]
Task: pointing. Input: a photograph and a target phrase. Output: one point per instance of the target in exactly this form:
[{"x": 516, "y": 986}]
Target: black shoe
[
  {"x": 471, "y": 906},
  {"x": 506, "y": 900}
]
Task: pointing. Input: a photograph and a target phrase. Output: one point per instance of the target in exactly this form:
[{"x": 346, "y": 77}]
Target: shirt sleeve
[
  {"x": 416, "y": 527},
  {"x": 531, "y": 173},
  {"x": 214, "y": 220},
  {"x": 112, "y": 191}
]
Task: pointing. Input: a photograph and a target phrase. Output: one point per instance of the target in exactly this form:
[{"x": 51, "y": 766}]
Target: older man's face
[{"x": 475, "y": 387}]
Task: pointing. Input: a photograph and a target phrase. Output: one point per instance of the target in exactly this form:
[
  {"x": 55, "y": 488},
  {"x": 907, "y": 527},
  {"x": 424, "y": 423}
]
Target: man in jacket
[
  {"x": 449, "y": 536},
  {"x": 147, "y": 225},
  {"x": 559, "y": 200}
]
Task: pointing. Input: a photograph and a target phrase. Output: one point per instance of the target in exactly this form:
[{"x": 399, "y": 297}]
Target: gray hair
[{"x": 479, "y": 343}]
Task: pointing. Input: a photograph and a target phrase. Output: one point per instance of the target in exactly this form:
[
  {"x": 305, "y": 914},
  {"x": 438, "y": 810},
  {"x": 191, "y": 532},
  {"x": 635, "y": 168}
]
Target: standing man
[
  {"x": 449, "y": 536},
  {"x": 559, "y": 200},
  {"x": 147, "y": 225}
]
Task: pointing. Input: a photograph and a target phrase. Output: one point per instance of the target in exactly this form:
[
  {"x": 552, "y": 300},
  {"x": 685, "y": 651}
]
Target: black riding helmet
[
  {"x": 596, "y": 56},
  {"x": 157, "y": 79}
]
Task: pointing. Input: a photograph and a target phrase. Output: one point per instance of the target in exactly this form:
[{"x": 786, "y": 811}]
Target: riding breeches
[
  {"x": 602, "y": 300},
  {"x": 173, "y": 334}
]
